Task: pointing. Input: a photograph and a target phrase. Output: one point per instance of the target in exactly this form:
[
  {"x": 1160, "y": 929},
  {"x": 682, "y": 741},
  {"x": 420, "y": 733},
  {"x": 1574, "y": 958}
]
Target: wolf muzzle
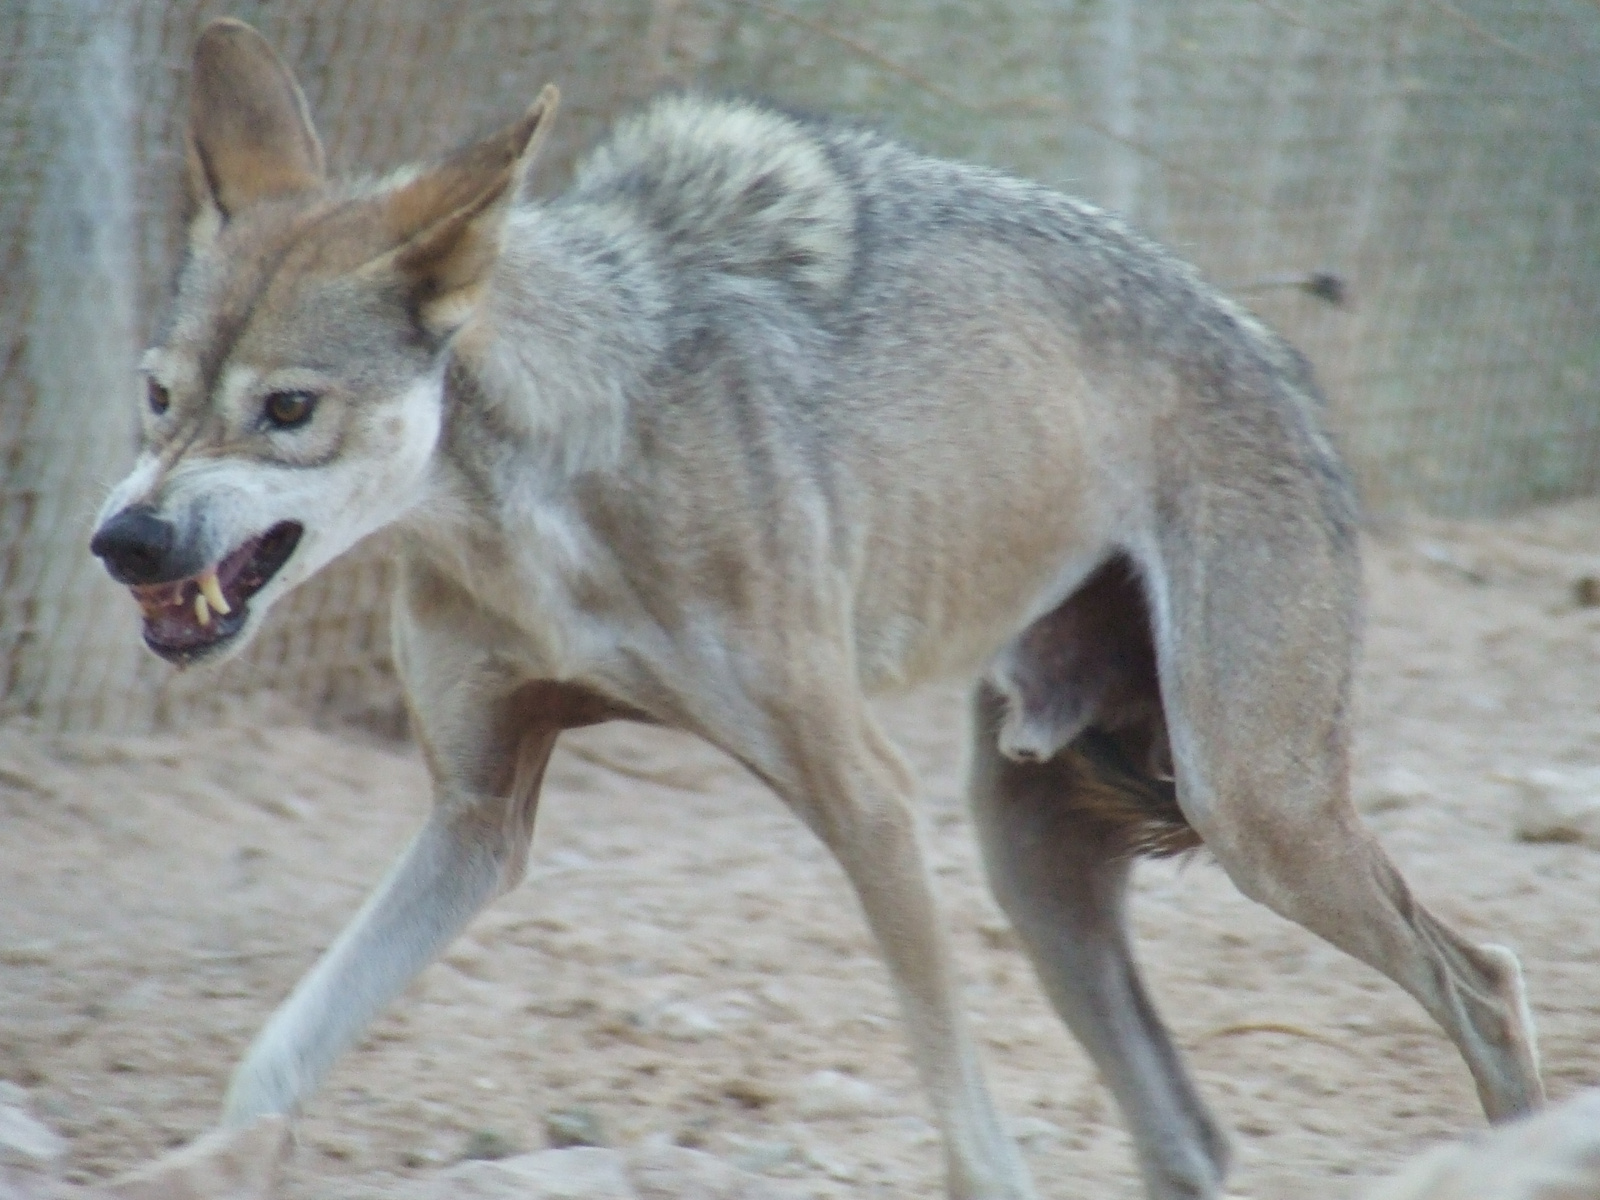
[{"x": 191, "y": 606}]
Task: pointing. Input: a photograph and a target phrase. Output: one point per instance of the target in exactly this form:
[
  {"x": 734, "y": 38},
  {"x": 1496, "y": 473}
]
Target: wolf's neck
[
  {"x": 539, "y": 392},
  {"x": 571, "y": 327}
]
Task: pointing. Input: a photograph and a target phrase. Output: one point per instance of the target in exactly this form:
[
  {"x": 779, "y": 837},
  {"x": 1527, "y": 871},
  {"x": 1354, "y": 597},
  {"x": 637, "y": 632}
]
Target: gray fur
[{"x": 766, "y": 415}]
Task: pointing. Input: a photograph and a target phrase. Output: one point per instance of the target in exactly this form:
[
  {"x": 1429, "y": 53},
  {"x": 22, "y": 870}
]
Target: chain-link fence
[
  {"x": 91, "y": 119},
  {"x": 1430, "y": 164}
]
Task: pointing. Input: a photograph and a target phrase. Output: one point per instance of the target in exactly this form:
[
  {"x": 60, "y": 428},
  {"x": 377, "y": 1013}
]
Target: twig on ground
[{"x": 1283, "y": 1027}]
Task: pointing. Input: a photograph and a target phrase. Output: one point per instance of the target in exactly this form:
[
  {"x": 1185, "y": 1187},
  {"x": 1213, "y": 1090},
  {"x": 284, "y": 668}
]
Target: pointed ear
[
  {"x": 449, "y": 220},
  {"x": 250, "y": 134}
]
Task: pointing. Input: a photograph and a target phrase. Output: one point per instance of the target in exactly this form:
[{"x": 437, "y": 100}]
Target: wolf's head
[{"x": 294, "y": 398}]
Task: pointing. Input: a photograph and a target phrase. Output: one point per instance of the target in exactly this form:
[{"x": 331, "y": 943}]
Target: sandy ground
[{"x": 683, "y": 960}]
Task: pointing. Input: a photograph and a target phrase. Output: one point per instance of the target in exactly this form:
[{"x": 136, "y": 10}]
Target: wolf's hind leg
[
  {"x": 1258, "y": 625},
  {"x": 1323, "y": 870},
  {"x": 1061, "y": 875}
]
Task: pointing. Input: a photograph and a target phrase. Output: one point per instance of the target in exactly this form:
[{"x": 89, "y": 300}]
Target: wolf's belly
[{"x": 945, "y": 625}]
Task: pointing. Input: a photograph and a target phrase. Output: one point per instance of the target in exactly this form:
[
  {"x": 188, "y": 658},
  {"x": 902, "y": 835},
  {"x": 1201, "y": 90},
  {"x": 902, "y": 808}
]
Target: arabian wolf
[{"x": 763, "y": 416}]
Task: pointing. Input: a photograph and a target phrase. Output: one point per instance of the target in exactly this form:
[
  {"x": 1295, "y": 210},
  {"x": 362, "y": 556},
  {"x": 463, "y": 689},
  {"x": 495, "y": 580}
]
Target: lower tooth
[{"x": 202, "y": 611}]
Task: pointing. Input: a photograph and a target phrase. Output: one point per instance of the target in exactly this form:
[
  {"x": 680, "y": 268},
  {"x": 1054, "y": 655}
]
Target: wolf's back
[{"x": 744, "y": 210}]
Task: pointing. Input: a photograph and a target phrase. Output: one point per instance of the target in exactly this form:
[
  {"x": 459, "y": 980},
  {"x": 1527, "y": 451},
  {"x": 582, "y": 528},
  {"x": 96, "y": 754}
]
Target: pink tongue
[
  {"x": 177, "y": 626},
  {"x": 157, "y": 598}
]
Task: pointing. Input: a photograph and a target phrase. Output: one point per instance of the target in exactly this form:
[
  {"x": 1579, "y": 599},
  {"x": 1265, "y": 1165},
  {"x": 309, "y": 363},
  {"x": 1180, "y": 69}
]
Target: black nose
[{"x": 136, "y": 545}]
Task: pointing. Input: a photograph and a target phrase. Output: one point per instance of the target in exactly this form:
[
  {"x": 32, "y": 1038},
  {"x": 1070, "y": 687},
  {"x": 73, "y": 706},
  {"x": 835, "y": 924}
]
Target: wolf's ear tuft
[
  {"x": 448, "y": 221},
  {"x": 250, "y": 134}
]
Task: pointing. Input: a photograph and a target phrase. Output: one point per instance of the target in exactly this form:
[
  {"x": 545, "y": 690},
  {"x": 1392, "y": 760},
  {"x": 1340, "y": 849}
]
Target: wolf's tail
[{"x": 1138, "y": 811}]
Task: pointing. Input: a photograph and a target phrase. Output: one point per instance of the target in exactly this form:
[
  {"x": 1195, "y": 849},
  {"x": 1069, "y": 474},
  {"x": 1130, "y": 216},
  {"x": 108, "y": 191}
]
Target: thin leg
[
  {"x": 1349, "y": 893},
  {"x": 1063, "y": 884},
  {"x": 1256, "y": 678},
  {"x": 837, "y": 770},
  {"x": 464, "y": 856},
  {"x": 486, "y": 735}
]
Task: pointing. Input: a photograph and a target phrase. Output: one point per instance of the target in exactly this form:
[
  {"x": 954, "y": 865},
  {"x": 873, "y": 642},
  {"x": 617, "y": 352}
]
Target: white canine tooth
[
  {"x": 212, "y": 591},
  {"x": 202, "y": 610}
]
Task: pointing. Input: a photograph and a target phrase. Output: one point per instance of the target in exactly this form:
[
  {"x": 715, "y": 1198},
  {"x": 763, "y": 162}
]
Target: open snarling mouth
[{"x": 186, "y": 619}]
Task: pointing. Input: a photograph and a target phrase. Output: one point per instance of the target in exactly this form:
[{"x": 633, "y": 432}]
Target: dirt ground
[{"x": 686, "y": 963}]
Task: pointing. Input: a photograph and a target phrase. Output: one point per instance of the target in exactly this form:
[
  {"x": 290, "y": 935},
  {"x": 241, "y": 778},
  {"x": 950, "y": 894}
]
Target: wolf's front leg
[
  {"x": 815, "y": 742},
  {"x": 486, "y": 745},
  {"x": 462, "y": 858}
]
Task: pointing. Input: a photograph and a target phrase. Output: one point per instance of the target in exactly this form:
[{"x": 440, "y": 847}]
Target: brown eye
[
  {"x": 157, "y": 397},
  {"x": 288, "y": 410}
]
